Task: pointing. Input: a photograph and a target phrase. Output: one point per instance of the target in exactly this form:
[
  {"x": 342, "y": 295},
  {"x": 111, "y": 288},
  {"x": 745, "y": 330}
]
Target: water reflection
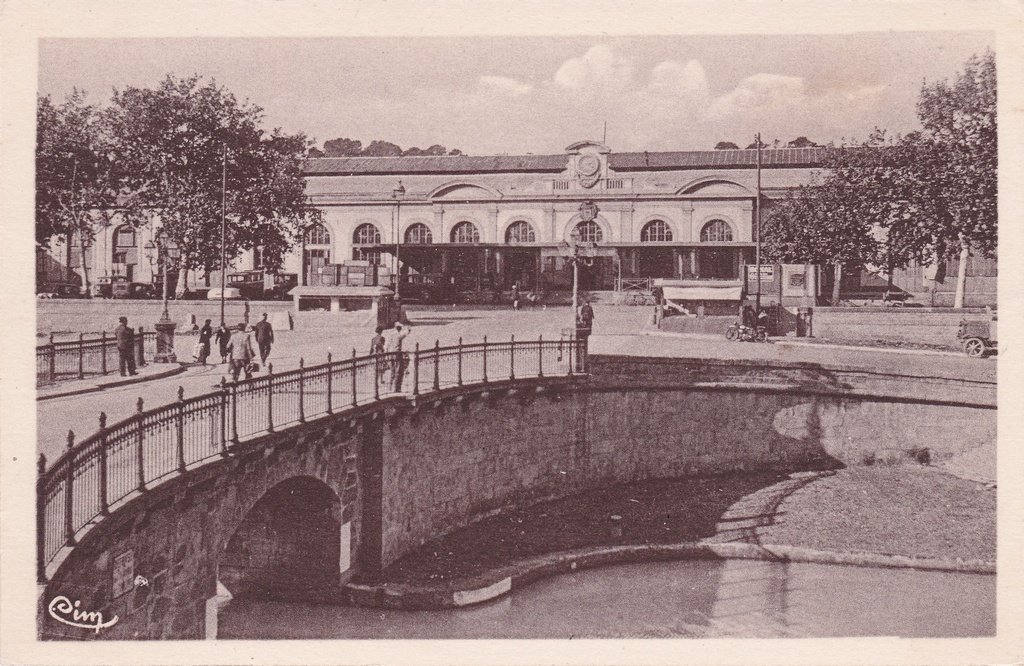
[{"x": 731, "y": 598}]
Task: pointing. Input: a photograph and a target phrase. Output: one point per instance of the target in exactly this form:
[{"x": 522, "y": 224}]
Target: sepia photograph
[{"x": 551, "y": 335}]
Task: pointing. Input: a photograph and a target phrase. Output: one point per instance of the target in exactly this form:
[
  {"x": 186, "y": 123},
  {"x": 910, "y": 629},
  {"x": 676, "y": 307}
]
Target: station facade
[{"x": 457, "y": 224}]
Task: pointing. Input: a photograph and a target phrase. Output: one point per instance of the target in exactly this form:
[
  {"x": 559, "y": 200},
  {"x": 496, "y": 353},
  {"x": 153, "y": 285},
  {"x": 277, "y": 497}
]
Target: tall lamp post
[
  {"x": 576, "y": 251},
  {"x": 397, "y": 193},
  {"x": 162, "y": 252}
]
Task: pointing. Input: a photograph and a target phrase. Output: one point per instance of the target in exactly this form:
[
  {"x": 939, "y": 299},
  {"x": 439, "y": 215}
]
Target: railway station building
[{"x": 472, "y": 226}]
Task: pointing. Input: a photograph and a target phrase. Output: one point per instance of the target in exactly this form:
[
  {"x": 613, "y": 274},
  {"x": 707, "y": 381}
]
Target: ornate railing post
[
  {"x": 224, "y": 398},
  {"x": 103, "y": 352},
  {"x": 53, "y": 360},
  {"x": 41, "y": 519},
  {"x": 485, "y": 359},
  {"x": 140, "y": 435},
  {"x": 540, "y": 355},
  {"x": 140, "y": 348},
  {"x": 330, "y": 385},
  {"x": 376, "y": 375},
  {"x": 69, "y": 493},
  {"x": 512, "y": 358},
  {"x": 270, "y": 397},
  {"x": 81, "y": 356},
  {"x": 415, "y": 370},
  {"x": 437, "y": 365},
  {"x": 302, "y": 390},
  {"x": 104, "y": 503},
  {"x": 460, "y": 362},
  {"x": 572, "y": 354},
  {"x": 355, "y": 398},
  {"x": 234, "y": 413},
  {"x": 179, "y": 425}
]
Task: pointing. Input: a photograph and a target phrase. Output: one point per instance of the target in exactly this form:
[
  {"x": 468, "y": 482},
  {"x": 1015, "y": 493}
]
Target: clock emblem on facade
[{"x": 589, "y": 168}]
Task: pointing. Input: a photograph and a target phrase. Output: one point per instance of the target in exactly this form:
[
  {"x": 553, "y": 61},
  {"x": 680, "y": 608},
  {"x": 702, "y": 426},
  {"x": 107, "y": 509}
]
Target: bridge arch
[{"x": 288, "y": 543}]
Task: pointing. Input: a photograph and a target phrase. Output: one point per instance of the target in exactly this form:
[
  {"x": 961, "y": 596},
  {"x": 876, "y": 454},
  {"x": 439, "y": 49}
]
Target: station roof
[{"x": 644, "y": 161}]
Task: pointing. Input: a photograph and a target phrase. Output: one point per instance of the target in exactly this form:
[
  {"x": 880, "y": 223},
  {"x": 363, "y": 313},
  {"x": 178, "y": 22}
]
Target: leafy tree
[
  {"x": 171, "y": 142},
  {"x": 343, "y": 148},
  {"x": 76, "y": 180},
  {"x": 455, "y": 151},
  {"x": 727, "y": 145},
  {"x": 414, "y": 152},
  {"x": 753, "y": 145},
  {"x": 436, "y": 149},
  {"x": 802, "y": 142},
  {"x": 957, "y": 165},
  {"x": 382, "y": 149},
  {"x": 314, "y": 152}
]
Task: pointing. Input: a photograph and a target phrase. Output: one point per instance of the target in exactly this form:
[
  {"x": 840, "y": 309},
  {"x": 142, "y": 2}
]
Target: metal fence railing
[
  {"x": 87, "y": 357},
  {"x": 124, "y": 459}
]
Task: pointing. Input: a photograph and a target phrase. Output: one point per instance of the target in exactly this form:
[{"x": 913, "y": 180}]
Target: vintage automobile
[
  {"x": 977, "y": 337},
  {"x": 259, "y": 285}
]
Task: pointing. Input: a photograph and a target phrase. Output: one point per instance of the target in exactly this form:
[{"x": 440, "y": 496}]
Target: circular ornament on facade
[{"x": 588, "y": 165}]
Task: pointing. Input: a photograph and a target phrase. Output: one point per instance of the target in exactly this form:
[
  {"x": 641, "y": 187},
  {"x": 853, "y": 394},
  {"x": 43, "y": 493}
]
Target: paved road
[{"x": 615, "y": 332}]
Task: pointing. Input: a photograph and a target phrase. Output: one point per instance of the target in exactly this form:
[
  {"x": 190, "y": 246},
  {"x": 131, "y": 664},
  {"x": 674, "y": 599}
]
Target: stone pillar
[{"x": 165, "y": 342}]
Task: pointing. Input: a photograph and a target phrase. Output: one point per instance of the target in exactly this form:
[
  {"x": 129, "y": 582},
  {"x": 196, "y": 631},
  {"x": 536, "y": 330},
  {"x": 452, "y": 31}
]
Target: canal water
[{"x": 696, "y": 598}]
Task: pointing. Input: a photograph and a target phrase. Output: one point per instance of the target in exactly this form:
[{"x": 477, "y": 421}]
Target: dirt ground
[{"x": 902, "y": 510}]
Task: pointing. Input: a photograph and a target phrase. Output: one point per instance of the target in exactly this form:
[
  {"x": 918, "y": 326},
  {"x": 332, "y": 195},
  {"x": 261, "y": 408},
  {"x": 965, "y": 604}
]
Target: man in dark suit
[
  {"x": 264, "y": 337},
  {"x": 125, "y": 338}
]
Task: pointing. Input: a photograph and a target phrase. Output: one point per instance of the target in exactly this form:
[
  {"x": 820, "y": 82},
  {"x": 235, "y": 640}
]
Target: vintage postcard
[{"x": 511, "y": 333}]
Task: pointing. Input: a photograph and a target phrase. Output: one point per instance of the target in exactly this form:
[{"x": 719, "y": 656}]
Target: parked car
[
  {"x": 230, "y": 294},
  {"x": 977, "y": 338},
  {"x": 61, "y": 290}
]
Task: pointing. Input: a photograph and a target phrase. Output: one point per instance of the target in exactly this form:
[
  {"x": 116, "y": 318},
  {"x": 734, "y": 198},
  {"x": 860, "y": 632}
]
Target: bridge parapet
[{"x": 99, "y": 474}]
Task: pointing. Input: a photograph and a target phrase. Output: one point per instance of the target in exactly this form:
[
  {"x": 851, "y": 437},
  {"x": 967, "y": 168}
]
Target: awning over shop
[{"x": 704, "y": 293}]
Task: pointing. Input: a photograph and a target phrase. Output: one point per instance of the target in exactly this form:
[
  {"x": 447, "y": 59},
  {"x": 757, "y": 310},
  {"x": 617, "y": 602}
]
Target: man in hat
[
  {"x": 264, "y": 333},
  {"x": 242, "y": 353},
  {"x": 125, "y": 339},
  {"x": 395, "y": 342}
]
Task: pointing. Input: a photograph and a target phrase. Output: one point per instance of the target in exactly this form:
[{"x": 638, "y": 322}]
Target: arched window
[
  {"x": 589, "y": 232},
  {"x": 520, "y": 232},
  {"x": 126, "y": 252},
  {"x": 419, "y": 234},
  {"x": 366, "y": 234},
  {"x": 316, "y": 234},
  {"x": 656, "y": 231},
  {"x": 716, "y": 231},
  {"x": 465, "y": 232}
]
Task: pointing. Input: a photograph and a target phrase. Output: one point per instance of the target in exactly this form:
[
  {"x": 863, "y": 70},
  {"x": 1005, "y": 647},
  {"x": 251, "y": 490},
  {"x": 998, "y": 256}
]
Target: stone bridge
[{"x": 300, "y": 513}]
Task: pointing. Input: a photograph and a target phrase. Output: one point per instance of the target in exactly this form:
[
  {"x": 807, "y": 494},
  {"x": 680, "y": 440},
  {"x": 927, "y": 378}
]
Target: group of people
[
  {"x": 236, "y": 345},
  {"x": 391, "y": 369}
]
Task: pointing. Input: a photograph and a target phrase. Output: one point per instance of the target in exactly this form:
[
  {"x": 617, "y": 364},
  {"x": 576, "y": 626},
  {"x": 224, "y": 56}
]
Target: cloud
[
  {"x": 760, "y": 92},
  {"x": 504, "y": 85},
  {"x": 599, "y": 67},
  {"x": 672, "y": 77}
]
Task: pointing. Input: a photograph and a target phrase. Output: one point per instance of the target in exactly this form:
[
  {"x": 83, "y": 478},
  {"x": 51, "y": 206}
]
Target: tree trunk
[
  {"x": 837, "y": 277},
  {"x": 179, "y": 289},
  {"x": 67, "y": 261},
  {"x": 85, "y": 269},
  {"x": 961, "y": 275}
]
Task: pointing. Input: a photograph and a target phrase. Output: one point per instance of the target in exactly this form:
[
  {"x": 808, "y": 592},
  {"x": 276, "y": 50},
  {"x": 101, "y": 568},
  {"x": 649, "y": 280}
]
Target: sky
[{"x": 532, "y": 94}]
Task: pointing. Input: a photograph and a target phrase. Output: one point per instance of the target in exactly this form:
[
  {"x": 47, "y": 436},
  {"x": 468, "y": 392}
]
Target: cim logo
[{"x": 67, "y": 612}]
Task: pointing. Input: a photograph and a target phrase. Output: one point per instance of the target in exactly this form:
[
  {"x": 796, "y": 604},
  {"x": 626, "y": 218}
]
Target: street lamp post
[
  {"x": 162, "y": 251},
  {"x": 397, "y": 193}
]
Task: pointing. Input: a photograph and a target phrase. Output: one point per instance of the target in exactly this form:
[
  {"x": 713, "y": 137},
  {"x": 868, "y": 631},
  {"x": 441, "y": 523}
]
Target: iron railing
[
  {"x": 122, "y": 460},
  {"x": 87, "y": 357}
]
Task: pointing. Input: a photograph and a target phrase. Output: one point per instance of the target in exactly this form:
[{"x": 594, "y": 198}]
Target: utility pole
[
  {"x": 757, "y": 226},
  {"x": 223, "y": 225}
]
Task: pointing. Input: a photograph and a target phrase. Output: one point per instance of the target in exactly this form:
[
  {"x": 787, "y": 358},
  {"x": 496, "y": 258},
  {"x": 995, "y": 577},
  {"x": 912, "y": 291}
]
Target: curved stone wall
[{"x": 449, "y": 462}]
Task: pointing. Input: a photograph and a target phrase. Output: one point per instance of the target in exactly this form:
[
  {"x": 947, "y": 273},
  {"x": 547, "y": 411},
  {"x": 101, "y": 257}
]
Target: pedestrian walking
[
  {"x": 205, "y": 334},
  {"x": 395, "y": 342},
  {"x": 264, "y": 333},
  {"x": 515, "y": 296},
  {"x": 242, "y": 353},
  {"x": 223, "y": 341},
  {"x": 124, "y": 336},
  {"x": 377, "y": 345}
]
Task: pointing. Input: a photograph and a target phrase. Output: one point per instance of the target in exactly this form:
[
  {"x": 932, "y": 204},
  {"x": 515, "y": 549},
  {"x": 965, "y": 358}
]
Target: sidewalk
[{"x": 148, "y": 372}]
